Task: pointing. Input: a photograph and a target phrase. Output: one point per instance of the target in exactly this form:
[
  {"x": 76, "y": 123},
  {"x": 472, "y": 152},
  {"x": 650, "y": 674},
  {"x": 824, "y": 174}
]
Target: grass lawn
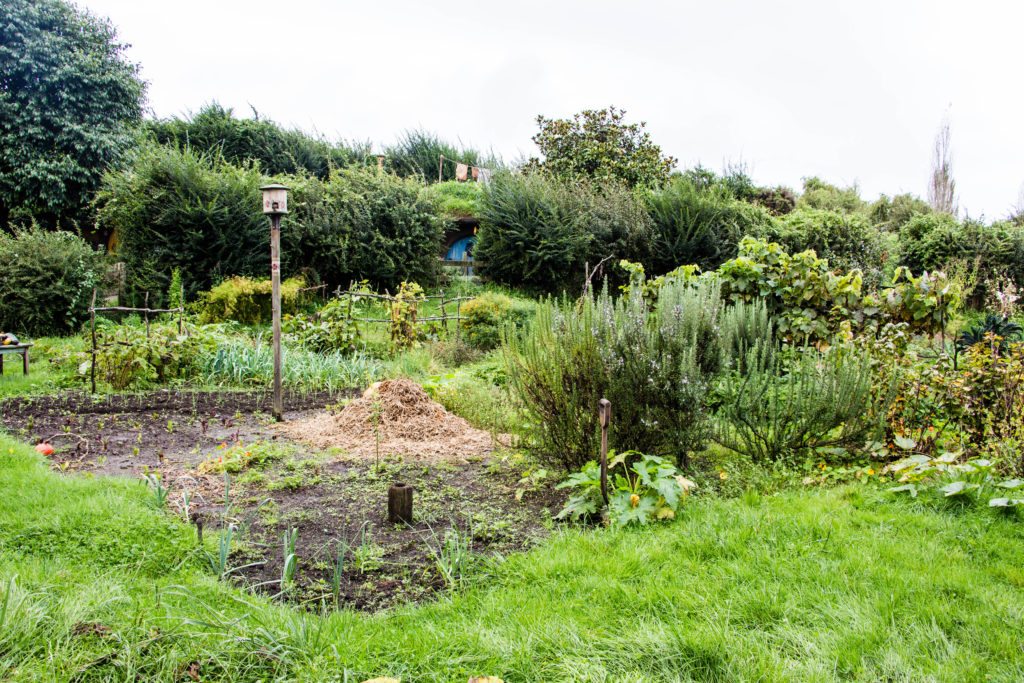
[{"x": 97, "y": 584}]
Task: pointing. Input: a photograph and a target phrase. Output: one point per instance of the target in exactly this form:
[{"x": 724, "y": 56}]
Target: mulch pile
[{"x": 404, "y": 419}]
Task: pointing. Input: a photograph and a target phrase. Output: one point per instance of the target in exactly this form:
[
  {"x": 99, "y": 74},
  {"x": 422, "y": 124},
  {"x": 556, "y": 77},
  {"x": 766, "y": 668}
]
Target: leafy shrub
[
  {"x": 845, "y": 240},
  {"x": 531, "y": 234},
  {"x": 948, "y": 474},
  {"x": 891, "y": 214},
  {"x": 785, "y": 404},
  {"x": 361, "y": 225},
  {"x": 651, "y": 361},
  {"x": 128, "y": 357},
  {"x": 484, "y": 317},
  {"x": 818, "y": 194},
  {"x": 178, "y": 209},
  {"x": 598, "y": 144},
  {"x": 248, "y": 301},
  {"x": 46, "y": 281},
  {"x": 778, "y": 200},
  {"x": 695, "y": 226},
  {"x": 331, "y": 328},
  {"x": 926, "y": 303},
  {"x": 641, "y": 489},
  {"x": 216, "y": 130}
]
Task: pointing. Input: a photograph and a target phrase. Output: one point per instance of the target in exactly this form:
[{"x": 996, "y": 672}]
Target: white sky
[{"x": 849, "y": 91}]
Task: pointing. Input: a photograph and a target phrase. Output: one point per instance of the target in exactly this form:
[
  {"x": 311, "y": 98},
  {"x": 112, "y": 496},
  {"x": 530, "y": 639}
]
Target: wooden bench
[{"x": 15, "y": 349}]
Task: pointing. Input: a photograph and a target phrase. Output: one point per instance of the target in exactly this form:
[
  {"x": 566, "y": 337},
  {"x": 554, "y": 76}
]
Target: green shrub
[
  {"x": 215, "y": 130},
  {"x": 821, "y": 195},
  {"x": 247, "y": 301},
  {"x": 130, "y": 358},
  {"x": 179, "y": 209},
  {"x": 484, "y": 317},
  {"x": 846, "y": 240},
  {"x": 46, "y": 281},
  {"x": 361, "y": 225},
  {"x": 891, "y": 214},
  {"x": 698, "y": 226},
  {"x": 651, "y": 362},
  {"x": 785, "y": 405},
  {"x": 176, "y": 209}
]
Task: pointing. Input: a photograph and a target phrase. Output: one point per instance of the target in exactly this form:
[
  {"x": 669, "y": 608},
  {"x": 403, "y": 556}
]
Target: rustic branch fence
[{"x": 146, "y": 312}]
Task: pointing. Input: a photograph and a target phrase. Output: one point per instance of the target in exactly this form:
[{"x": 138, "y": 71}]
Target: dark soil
[{"x": 336, "y": 503}]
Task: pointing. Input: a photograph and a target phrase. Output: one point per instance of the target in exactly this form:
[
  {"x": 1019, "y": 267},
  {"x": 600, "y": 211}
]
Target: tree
[
  {"x": 942, "y": 188},
  {"x": 597, "y": 143},
  {"x": 69, "y": 105}
]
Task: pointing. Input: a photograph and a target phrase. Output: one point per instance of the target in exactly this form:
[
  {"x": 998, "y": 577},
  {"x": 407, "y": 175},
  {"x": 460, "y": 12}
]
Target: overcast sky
[{"x": 853, "y": 92}]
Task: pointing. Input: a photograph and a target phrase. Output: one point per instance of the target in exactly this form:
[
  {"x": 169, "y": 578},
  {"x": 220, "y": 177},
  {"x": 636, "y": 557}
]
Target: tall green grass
[
  {"x": 241, "y": 363},
  {"x": 801, "y": 586}
]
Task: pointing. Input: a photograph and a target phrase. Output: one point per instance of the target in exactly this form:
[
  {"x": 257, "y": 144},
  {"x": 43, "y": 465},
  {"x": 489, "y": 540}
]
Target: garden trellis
[
  {"x": 353, "y": 294},
  {"x": 146, "y": 312}
]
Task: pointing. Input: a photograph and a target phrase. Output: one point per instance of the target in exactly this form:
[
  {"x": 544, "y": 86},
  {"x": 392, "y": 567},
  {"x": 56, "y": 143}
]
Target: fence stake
[
  {"x": 146, "y": 300},
  {"x": 604, "y": 410},
  {"x": 92, "y": 327}
]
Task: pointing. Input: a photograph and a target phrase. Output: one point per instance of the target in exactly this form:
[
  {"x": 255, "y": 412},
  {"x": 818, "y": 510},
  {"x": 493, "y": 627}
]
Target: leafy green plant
[
  {"x": 46, "y": 280},
  {"x": 953, "y": 477},
  {"x": 333, "y": 327},
  {"x": 792, "y": 403},
  {"x": 290, "y": 559},
  {"x": 247, "y": 301},
  {"x": 641, "y": 489},
  {"x": 403, "y": 310},
  {"x": 452, "y": 556},
  {"x": 653, "y": 362},
  {"x": 484, "y": 317},
  {"x": 157, "y": 489}
]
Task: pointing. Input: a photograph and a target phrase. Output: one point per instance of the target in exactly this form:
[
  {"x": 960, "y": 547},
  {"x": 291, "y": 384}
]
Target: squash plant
[{"x": 641, "y": 488}]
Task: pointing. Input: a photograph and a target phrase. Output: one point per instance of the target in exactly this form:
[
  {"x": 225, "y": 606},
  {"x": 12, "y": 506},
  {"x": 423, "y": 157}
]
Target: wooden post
[
  {"x": 181, "y": 309},
  {"x": 604, "y": 409},
  {"x": 440, "y": 168},
  {"x": 400, "y": 503},
  {"x": 458, "y": 319},
  {"x": 146, "y": 313},
  {"x": 444, "y": 318},
  {"x": 275, "y": 304},
  {"x": 92, "y": 328}
]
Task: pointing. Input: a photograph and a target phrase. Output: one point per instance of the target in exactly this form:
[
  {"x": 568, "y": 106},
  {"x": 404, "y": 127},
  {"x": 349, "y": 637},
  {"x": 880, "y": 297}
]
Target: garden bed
[{"x": 332, "y": 499}]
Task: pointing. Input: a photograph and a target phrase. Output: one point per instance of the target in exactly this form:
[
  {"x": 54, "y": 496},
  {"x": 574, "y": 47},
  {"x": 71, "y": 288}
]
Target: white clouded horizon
[{"x": 850, "y": 92}]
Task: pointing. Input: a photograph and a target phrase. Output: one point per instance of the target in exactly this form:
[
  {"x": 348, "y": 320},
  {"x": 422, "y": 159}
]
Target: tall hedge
[
  {"x": 538, "y": 232},
  {"x": 175, "y": 208},
  {"x": 46, "y": 281}
]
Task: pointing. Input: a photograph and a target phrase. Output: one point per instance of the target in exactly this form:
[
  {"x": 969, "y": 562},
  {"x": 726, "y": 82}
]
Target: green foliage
[
  {"x": 926, "y": 303},
  {"x": 69, "y": 101},
  {"x": 599, "y": 144},
  {"x": 177, "y": 209},
  {"x": 641, "y": 489},
  {"x": 484, "y": 318},
  {"x": 361, "y": 225},
  {"x": 651, "y": 361},
  {"x": 845, "y": 240},
  {"x": 46, "y": 280},
  {"x": 129, "y": 358},
  {"x": 330, "y": 328},
  {"x": 795, "y": 403},
  {"x": 216, "y": 131},
  {"x": 248, "y": 301},
  {"x": 403, "y": 310},
  {"x": 538, "y": 231},
  {"x": 243, "y": 363},
  {"x": 696, "y": 225},
  {"x": 891, "y": 214},
  {"x": 176, "y": 290},
  {"x": 969, "y": 481},
  {"x": 1002, "y": 329},
  {"x": 417, "y": 154},
  {"x": 455, "y": 199},
  {"x": 806, "y": 299},
  {"x": 818, "y": 194},
  {"x": 242, "y": 456}
]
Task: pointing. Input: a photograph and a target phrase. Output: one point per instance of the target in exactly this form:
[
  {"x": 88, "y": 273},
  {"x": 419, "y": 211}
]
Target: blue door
[{"x": 461, "y": 249}]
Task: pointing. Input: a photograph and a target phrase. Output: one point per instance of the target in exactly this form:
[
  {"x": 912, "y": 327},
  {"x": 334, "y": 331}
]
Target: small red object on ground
[{"x": 44, "y": 448}]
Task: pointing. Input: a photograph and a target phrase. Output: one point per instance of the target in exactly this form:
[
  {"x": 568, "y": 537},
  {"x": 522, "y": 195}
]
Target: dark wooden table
[{"x": 15, "y": 349}]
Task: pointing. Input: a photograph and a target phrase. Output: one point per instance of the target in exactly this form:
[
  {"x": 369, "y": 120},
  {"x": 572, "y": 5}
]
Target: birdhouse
[{"x": 275, "y": 199}]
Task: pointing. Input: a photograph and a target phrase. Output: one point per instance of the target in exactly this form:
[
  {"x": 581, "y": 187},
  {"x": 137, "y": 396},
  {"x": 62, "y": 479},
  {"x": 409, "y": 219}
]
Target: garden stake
[
  {"x": 604, "y": 410},
  {"x": 400, "y": 503},
  {"x": 92, "y": 327}
]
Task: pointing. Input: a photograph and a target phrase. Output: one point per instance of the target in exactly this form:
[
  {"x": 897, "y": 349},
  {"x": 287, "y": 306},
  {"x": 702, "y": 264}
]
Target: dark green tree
[
  {"x": 69, "y": 105},
  {"x": 598, "y": 143}
]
